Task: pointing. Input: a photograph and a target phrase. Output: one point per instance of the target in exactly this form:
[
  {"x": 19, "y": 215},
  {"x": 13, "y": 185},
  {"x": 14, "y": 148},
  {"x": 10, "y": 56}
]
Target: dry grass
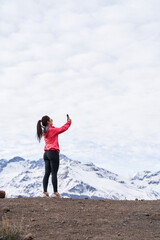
[{"x": 10, "y": 230}]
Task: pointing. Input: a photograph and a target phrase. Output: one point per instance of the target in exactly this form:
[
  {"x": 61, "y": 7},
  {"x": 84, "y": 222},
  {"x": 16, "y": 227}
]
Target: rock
[
  {"x": 5, "y": 210},
  {"x": 2, "y": 194},
  {"x": 20, "y": 196},
  {"x": 147, "y": 214},
  {"x": 29, "y": 236}
]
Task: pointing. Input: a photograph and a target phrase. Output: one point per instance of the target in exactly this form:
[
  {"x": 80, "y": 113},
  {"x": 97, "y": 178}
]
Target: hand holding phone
[{"x": 68, "y": 118}]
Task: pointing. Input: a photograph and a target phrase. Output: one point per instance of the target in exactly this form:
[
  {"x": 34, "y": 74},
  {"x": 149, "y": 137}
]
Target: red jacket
[{"x": 51, "y": 136}]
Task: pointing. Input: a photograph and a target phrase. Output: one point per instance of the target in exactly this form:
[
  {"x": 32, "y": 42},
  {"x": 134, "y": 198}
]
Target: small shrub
[{"x": 10, "y": 230}]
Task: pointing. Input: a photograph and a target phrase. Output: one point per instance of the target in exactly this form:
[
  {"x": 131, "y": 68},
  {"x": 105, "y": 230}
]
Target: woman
[{"x": 50, "y": 133}]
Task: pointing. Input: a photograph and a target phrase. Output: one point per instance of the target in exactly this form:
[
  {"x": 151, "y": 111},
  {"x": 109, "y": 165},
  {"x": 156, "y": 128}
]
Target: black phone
[{"x": 67, "y": 116}]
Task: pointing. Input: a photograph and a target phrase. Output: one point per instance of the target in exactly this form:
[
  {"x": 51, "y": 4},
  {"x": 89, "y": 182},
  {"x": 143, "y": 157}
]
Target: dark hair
[{"x": 41, "y": 124}]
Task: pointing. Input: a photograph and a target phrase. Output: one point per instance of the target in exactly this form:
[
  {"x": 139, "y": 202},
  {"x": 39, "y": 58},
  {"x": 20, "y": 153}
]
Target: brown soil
[{"x": 79, "y": 219}]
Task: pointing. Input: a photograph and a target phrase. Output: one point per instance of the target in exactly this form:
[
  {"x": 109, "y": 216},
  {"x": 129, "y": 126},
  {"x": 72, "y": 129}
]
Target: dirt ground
[{"x": 79, "y": 219}]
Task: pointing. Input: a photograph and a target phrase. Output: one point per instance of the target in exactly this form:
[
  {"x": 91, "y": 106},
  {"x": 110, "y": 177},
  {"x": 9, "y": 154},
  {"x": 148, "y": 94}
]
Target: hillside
[{"x": 79, "y": 219}]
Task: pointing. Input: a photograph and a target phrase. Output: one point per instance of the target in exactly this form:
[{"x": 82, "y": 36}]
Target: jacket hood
[{"x": 46, "y": 129}]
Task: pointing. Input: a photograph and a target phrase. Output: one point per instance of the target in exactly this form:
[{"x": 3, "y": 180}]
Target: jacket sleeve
[{"x": 63, "y": 128}]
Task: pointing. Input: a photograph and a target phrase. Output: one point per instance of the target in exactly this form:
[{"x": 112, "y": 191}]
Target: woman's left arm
[{"x": 64, "y": 127}]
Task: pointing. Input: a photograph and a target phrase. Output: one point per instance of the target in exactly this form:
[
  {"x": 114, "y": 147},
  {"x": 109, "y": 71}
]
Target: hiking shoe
[
  {"x": 56, "y": 195},
  {"x": 45, "y": 194}
]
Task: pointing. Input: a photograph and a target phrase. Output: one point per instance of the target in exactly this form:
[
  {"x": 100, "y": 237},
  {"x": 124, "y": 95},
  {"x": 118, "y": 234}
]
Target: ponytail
[
  {"x": 41, "y": 124},
  {"x": 39, "y": 130}
]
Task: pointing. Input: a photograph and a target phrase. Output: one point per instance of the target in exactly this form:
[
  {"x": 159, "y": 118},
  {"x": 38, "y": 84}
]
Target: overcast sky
[{"x": 99, "y": 61}]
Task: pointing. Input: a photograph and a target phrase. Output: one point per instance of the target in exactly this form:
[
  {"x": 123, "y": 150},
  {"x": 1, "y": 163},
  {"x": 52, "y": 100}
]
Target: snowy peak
[
  {"x": 4, "y": 163},
  {"x": 16, "y": 159},
  {"x": 141, "y": 175},
  {"x": 78, "y": 180},
  {"x": 148, "y": 182},
  {"x": 147, "y": 177}
]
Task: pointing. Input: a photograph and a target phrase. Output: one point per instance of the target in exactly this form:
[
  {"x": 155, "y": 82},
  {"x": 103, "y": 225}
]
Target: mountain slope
[{"x": 24, "y": 177}]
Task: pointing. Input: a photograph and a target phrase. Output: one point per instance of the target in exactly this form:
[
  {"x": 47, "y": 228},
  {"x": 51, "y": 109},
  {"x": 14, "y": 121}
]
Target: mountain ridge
[{"x": 76, "y": 180}]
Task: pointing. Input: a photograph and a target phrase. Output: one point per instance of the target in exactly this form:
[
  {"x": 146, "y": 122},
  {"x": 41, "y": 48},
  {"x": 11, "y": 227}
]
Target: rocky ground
[{"x": 79, "y": 219}]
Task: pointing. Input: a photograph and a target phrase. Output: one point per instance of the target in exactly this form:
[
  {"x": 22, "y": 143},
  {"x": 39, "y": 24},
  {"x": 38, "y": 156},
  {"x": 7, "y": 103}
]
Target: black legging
[{"x": 51, "y": 159}]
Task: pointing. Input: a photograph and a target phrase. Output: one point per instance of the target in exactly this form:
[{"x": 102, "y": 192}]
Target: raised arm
[{"x": 64, "y": 127}]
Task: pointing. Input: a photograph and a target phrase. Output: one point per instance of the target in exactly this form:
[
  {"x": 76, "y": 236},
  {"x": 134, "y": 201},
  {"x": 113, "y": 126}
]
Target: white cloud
[{"x": 97, "y": 61}]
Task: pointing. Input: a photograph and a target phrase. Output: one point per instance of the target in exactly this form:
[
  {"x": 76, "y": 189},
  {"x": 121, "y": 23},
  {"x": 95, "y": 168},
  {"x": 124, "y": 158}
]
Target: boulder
[
  {"x": 20, "y": 196},
  {"x": 2, "y": 194},
  {"x": 29, "y": 236}
]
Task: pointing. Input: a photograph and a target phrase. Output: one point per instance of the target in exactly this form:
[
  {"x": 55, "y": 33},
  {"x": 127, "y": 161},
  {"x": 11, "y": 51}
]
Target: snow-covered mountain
[
  {"x": 149, "y": 182},
  {"x": 24, "y": 177}
]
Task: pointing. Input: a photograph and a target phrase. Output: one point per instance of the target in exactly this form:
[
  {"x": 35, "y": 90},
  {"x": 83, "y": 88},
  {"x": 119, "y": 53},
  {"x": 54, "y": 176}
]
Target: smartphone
[{"x": 67, "y": 116}]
